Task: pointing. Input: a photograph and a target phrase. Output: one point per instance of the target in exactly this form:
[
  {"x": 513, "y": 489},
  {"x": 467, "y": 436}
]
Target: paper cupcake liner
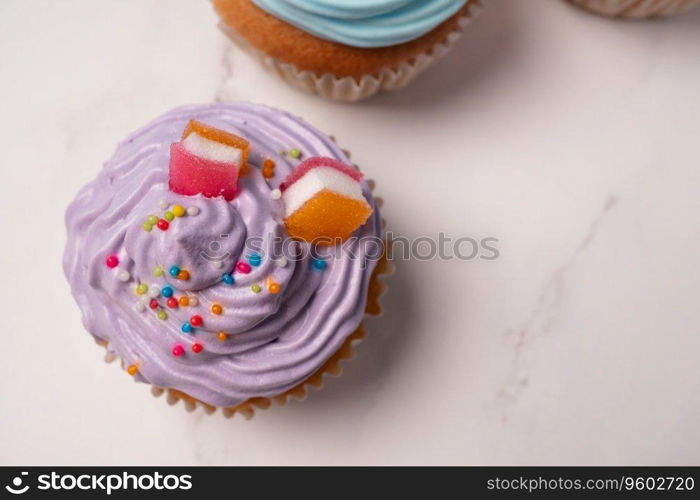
[
  {"x": 349, "y": 88},
  {"x": 637, "y": 8},
  {"x": 332, "y": 367}
]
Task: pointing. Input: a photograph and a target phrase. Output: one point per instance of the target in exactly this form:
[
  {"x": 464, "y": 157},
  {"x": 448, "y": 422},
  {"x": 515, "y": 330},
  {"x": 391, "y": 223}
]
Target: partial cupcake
[
  {"x": 344, "y": 49},
  {"x": 226, "y": 253},
  {"x": 636, "y": 8}
]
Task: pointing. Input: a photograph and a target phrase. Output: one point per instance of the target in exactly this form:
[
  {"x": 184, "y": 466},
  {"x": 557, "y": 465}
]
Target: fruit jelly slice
[
  {"x": 190, "y": 175},
  {"x": 218, "y": 135}
]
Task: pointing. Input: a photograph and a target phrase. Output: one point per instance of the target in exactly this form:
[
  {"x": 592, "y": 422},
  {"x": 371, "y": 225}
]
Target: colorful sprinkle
[
  {"x": 167, "y": 291},
  {"x": 163, "y": 225},
  {"x": 169, "y": 216},
  {"x": 183, "y": 275},
  {"x": 221, "y": 336},
  {"x": 147, "y": 227},
  {"x": 153, "y": 292},
  {"x": 172, "y": 302},
  {"x": 153, "y": 304},
  {"x": 295, "y": 153},
  {"x": 273, "y": 287},
  {"x": 256, "y": 288},
  {"x": 158, "y": 271},
  {"x": 217, "y": 264},
  {"x": 162, "y": 315},
  {"x": 228, "y": 279},
  {"x": 187, "y": 328},
  {"x": 178, "y": 350},
  {"x": 243, "y": 267},
  {"x": 174, "y": 271},
  {"x": 217, "y": 309},
  {"x": 178, "y": 210},
  {"x": 197, "y": 348},
  {"x": 196, "y": 320},
  {"x": 192, "y": 211},
  {"x": 140, "y": 307},
  {"x": 255, "y": 259},
  {"x": 141, "y": 289},
  {"x": 124, "y": 276},
  {"x": 281, "y": 262},
  {"x": 163, "y": 204},
  {"x": 132, "y": 370},
  {"x": 184, "y": 301},
  {"x": 152, "y": 220},
  {"x": 193, "y": 301},
  {"x": 275, "y": 194},
  {"x": 112, "y": 261},
  {"x": 319, "y": 264},
  {"x": 268, "y": 168}
]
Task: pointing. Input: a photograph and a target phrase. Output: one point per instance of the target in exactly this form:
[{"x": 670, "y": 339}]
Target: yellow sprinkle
[{"x": 178, "y": 210}]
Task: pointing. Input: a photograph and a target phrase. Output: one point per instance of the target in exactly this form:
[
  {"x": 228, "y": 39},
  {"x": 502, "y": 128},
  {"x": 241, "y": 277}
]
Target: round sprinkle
[
  {"x": 174, "y": 271},
  {"x": 147, "y": 227},
  {"x": 163, "y": 225},
  {"x": 217, "y": 264},
  {"x": 169, "y": 216},
  {"x": 154, "y": 291},
  {"x": 141, "y": 289},
  {"x": 153, "y": 304},
  {"x": 192, "y": 210},
  {"x": 172, "y": 302},
  {"x": 281, "y": 262},
  {"x": 163, "y": 204},
  {"x": 178, "y": 210},
  {"x": 184, "y": 301},
  {"x": 197, "y": 348},
  {"x": 275, "y": 194},
  {"x": 196, "y": 320},
  {"x": 152, "y": 220},
  {"x": 162, "y": 315},
  {"x": 183, "y": 275},
  {"x": 158, "y": 271},
  {"x": 221, "y": 336},
  {"x": 132, "y": 370},
  {"x": 243, "y": 267},
  {"x": 167, "y": 291},
  {"x": 217, "y": 309},
  {"x": 256, "y": 288},
  {"x": 273, "y": 288},
  {"x": 112, "y": 261},
  {"x": 255, "y": 259},
  {"x": 139, "y": 307},
  {"x": 193, "y": 301},
  {"x": 228, "y": 279},
  {"x": 295, "y": 153},
  {"x": 178, "y": 350},
  {"x": 319, "y": 264},
  {"x": 187, "y": 328},
  {"x": 124, "y": 276}
]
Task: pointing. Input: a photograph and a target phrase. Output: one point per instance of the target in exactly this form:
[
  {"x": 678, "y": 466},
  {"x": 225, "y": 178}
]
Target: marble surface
[{"x": 571, "y": 138}]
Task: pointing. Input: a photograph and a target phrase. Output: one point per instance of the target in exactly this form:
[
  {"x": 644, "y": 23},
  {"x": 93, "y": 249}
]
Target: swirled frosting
[
  {"x": 276, "y": 340},
  {"x": 364, "y": 23}
]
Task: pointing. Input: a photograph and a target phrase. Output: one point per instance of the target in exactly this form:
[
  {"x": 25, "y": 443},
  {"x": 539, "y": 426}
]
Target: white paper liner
[
  {"x": 349, "y": 88},
  {"x": 636, "y": 8}
]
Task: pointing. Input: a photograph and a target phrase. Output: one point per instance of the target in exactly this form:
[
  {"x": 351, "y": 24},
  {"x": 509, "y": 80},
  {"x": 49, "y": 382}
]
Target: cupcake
[
  {"x": 636, "y": 8},
  {"x": 345, "y": 49},
  {"x": 227, "y": 255}
]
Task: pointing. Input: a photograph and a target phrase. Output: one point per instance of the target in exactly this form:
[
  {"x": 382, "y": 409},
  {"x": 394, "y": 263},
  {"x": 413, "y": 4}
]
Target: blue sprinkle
[
  {"x": 174, "y": 271},
  {"x": 255, "y": 259},
  {"x": 187, "y": 328},
  {"x": 319, "y": 264},
  {"x": 167, "y": 291},
  {"x": 228, "y": 279}
]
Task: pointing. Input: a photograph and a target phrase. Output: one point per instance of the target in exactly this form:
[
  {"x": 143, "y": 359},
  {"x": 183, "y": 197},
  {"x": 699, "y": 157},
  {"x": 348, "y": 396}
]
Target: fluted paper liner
[
  {"x": 637, "y": 8},
  {"x": 349, "y": 88}
]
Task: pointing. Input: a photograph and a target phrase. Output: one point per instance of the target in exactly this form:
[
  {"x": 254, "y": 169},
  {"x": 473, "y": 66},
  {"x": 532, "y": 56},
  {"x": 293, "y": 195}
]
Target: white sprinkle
[
  {"x": 153, "y": 292},
  {"x": 193, "y": 301},
  {"x": 124, "y": 275},
  {"x": 217, "y": 264},
  {"x": 276, "y": 194},
  {"x": 140, "y": 307},
  {"x": 192, "y": 211},
  {"x": 163, "y": 204},
  {"x": 281, "y": 262}
]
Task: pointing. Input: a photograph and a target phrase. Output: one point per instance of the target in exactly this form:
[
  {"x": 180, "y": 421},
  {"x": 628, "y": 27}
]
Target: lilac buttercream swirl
[{"x": 277, "y": 340}]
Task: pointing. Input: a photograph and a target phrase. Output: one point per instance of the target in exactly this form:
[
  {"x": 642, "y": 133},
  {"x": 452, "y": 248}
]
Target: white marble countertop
[{"x": 572, "y": 139}]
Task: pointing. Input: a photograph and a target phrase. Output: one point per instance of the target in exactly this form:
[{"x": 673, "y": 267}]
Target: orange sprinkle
[
  {"x": 222, "y": 336},
  {"x": 132, "y": 370},
  {"x": 217, "y": 309},
  {"x": 273, "y": 288},
  {"x": 268, "y": 168},
  {"x": 184, "y": 300},
  {"x": 183, "y": 275}
]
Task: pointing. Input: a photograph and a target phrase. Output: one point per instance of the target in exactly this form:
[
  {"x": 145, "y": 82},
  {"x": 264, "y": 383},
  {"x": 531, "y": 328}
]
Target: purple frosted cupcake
[{"x": 180, "y": 258}]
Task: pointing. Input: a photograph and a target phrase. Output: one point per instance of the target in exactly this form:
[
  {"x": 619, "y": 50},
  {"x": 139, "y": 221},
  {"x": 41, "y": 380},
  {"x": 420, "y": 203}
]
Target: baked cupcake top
[
  {"x": 364, "y": 23},
  {"x": 179, "y": 257}
]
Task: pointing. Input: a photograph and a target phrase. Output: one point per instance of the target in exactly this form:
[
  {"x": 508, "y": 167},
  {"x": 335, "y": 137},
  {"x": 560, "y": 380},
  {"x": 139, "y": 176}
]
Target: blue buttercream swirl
[{"x": 364, "y": 23}]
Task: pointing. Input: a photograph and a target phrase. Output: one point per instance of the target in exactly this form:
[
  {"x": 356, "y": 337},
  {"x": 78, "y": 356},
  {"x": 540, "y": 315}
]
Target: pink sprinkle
[
  {"x": 243, "y": 267},
  {"x": 112, "y": 261},
  {"x": 178, "y": 350}
]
